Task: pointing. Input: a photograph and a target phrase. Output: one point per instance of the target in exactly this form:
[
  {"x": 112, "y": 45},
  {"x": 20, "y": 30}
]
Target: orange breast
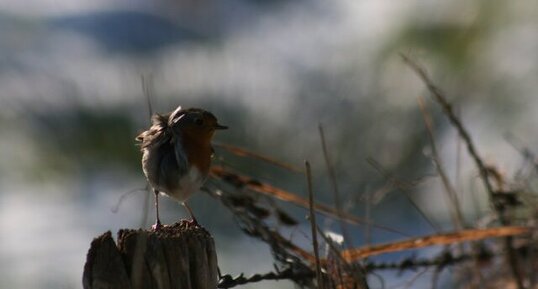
[{"x": 198, "y": 154}]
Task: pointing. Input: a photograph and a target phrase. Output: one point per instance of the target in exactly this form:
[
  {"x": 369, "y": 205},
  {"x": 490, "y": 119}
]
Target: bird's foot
[
  {"x": 193, "y": 222},
  {"x": 157, "y": 226}
]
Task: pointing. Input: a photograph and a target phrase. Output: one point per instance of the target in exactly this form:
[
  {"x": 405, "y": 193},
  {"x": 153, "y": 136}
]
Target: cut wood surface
[{"x": 178, "y": 256}]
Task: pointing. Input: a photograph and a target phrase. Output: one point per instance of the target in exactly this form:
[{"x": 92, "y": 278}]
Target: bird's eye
[{"x": 198, "y": 121}]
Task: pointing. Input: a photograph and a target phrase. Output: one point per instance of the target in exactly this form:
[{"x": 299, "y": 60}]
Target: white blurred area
[{"x": 256, "y": 55}]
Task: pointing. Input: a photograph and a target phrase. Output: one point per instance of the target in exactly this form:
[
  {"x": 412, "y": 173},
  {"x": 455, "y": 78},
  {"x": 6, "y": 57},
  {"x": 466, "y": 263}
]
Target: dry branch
[
  {"x": 352, "y": 255},
  {"x": 242, "y": 181},
  {"x": 246, "y": 153},
  {"x": 456, "y": 214},
  {"x": 485, "y": 173},
  {"x": 313, "y": 225}
]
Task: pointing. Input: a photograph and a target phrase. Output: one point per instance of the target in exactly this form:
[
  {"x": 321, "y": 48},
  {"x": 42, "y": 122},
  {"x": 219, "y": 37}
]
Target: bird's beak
[{"x": 218, "y": 126}]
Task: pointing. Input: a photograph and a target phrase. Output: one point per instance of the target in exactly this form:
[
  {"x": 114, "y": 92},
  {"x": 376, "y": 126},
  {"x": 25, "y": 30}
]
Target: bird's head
[{"x": 194, "y": 123}]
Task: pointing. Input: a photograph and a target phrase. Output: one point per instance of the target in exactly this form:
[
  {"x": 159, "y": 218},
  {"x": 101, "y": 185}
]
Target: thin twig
[
  {"x": 433, "y": 240},
  {"x": 227, "y": 281},
  {"x": 457, "y": 216},
  {"x": 246, "y": 153},
  {"x": 367, "y": 215},
  {"x": 357, "y": 270},
  {"x": 313, "y": 223},
  {"x": 116, "y": 207},
  {"x": 442, "y": 260},
  {"x": 457, "y": 168},
  {"x": 484, "y": 172},
  {"x": 285, "y": 252},
  {"x": 456, "y": 122},
  {"x": 435, "y": 276},
  {"x": 334, "y": 184},
  {"x": 403, "y": 187},
  {"x": 411, "y": 281},
  {"x": 333, "y": 248},
  {"x": 243, "y": 181},
  {"x": 147, "y": 89},
  {"x": 525, "y": 152}
]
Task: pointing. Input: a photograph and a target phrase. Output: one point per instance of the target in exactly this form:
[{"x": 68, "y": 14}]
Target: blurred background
[{"x": 71, "y": 104}]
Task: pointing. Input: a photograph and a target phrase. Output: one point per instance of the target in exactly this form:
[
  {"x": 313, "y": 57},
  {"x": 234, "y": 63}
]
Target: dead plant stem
[
  {"x": 313, "y": 224},
  {"x": 484, "y": 172},
  {"x": 457, "y": 216},
  {"x": 334, "y": 184}
]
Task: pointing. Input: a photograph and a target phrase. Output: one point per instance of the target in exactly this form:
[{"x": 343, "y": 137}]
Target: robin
[{"x": 176, "y": 153}]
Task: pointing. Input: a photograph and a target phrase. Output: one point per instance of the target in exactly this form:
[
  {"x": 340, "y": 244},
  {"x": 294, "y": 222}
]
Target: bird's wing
[{"x": 181, "y": 156}]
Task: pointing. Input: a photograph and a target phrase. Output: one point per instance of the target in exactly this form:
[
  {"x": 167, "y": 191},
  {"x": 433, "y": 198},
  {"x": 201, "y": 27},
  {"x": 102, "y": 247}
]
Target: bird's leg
[
  {"x": 194, "y": 221},
  {"x": 158, "y": 224}
]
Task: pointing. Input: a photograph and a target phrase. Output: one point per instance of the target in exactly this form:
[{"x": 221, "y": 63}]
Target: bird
[{"x": 176, "y": 154}]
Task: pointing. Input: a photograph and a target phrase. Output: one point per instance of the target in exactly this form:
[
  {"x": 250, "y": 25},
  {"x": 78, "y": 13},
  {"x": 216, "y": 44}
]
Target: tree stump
[{"x": 178, "y": 256}]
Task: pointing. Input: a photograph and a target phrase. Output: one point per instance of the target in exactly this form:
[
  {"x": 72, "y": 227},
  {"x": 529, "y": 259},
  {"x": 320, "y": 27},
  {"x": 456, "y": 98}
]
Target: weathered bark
[{"x": 179, "y": 256}]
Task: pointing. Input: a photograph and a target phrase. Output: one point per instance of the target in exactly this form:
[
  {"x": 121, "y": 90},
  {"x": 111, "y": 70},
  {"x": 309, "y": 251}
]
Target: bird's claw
[
  {"x": 157, "y": 226},
  {"x": 193, "y": 222}
]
